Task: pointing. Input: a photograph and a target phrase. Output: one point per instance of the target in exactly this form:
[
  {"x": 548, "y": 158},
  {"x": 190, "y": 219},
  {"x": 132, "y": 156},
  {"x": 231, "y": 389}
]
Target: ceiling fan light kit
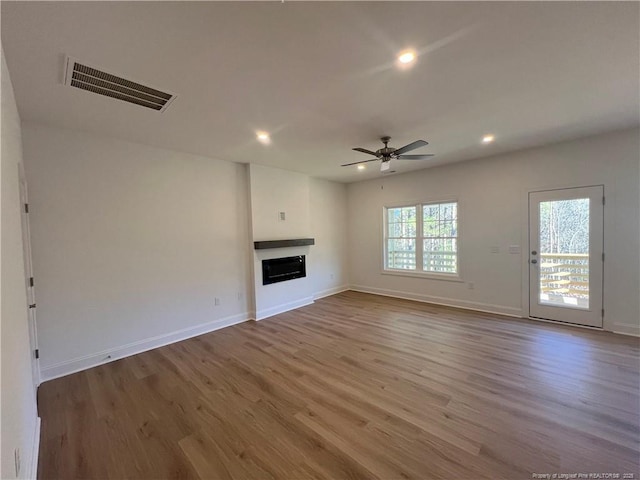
[{"x": 386, "y": 154}]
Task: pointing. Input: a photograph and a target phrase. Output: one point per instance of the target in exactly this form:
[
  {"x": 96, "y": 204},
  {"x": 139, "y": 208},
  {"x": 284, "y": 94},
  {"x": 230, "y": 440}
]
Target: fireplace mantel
[{"x": 294, "y": 242}]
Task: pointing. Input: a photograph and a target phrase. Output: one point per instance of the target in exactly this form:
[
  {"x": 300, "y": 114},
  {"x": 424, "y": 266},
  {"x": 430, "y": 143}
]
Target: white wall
[
  {"x": 329, "y": 261},
  {"x": 492, "y": 195},
  {"x": 19, "y": 423},
  {"x": 273, "y": 191},
  {"x": 131, "y": 245},
  {"x": 313, "y": 208}
]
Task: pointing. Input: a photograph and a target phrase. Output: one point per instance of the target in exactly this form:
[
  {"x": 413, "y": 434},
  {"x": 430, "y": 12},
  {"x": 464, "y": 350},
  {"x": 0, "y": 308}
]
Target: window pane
[
  {"x": 409, "y": 230},
  {"x": 403, "y": 245},
  {"x": 440, "y": 258},
  {"x": 429, "y": 228},
  {"x": 447, "y": 211},
  {"x": 439, "y": 244},
  {"x": 431, "y": 212},
  {"x": 401, "y": 254},
  {"x": 564, "y": 253},
  {"x": 430, "y": 255},
  {"x": 448, "y": 229},
  {"x": 401, "y": 238},
  {"x": 395, "y": 230},
  {"x": 409, "y": 214},
  {"x": 428, "y": 245},
  {"x": 394, "y": 214}
]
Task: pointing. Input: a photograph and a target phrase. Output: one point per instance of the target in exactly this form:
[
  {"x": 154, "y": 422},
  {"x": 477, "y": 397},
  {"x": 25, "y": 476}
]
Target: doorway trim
[{"x": 30, "y": 284}]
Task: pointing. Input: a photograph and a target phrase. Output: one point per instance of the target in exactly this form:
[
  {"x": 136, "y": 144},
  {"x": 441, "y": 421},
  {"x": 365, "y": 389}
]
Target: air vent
[{"x": 80, "y": 75}]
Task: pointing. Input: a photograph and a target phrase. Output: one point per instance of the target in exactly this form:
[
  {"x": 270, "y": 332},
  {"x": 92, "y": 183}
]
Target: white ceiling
[{"x": 320, "y": 77}]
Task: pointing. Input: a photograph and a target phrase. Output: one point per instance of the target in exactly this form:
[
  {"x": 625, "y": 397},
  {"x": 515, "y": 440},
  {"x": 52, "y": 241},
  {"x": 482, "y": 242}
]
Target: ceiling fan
[{"x": 387, "y": 153}]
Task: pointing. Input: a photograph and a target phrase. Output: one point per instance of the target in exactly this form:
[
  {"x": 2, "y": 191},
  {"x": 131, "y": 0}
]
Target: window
[
  {"x": 440, "y": 237},
  {"x": 401, "y": 238},
  {"x": 422, "y": 238}
]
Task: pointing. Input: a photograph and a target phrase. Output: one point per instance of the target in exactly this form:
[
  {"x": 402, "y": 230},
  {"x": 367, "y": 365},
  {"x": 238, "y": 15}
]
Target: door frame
[
  {"x": 29, "y": 285},
  {"x": 607, "y": 322}
]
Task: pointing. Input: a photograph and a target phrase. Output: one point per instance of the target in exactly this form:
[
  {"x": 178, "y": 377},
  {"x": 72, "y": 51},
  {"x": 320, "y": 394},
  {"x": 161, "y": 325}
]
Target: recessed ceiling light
[
  {"x": 488, "y": 139},
  {"x": 406, "y": 57},
  {"x": 361, "y": 167},
  {"x": 263, "y": 137}
]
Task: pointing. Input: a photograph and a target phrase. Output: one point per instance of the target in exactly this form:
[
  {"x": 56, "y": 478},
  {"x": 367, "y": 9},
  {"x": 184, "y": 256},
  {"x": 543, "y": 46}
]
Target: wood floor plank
[{"x": 355, "y": 386}]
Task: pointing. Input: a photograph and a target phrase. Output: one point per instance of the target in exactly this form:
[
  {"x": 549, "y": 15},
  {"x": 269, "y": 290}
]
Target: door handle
[{"x": 534, "y": 261}]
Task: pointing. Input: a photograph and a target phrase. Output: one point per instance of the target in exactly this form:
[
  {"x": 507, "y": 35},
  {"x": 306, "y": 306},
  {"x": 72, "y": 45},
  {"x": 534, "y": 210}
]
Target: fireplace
[{"x": 282, "y": 269}]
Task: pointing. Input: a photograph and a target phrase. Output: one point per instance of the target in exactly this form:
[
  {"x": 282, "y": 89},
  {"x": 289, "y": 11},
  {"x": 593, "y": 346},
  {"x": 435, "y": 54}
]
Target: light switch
[{"x": 514, "y": 248}]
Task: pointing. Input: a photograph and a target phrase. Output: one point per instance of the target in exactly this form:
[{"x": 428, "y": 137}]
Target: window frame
[
  {"x": 386, "y": 237},
  {"x": 419, "y": 242}
]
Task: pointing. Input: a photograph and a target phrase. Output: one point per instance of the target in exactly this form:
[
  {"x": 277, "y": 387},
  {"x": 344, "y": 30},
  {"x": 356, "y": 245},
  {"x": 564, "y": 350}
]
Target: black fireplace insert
[{"x": 276, "y": 270}]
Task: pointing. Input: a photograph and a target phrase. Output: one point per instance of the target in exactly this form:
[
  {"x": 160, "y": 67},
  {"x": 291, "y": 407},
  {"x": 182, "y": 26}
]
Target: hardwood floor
[{"x": 354, "y": 386}]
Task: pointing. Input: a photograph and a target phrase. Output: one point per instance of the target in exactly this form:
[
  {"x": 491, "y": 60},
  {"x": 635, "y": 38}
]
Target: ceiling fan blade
[
  {"x": 362, "y": 161},
  {"x": 411, "y": 146},
  {"x": 364, "y": 150},
  {"x": 415, "y": 157}
]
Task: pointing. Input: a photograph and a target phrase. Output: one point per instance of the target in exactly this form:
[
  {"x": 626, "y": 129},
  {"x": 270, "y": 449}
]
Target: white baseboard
[
  {"x": 283, "y": 307},
  {"x": 93, "y": 360},
  {"x": 626, "y": 329},
  {"x": 447, "y": 302},
  {"x": 330, "y": 291},
  {"x": 32, "y": 473}
]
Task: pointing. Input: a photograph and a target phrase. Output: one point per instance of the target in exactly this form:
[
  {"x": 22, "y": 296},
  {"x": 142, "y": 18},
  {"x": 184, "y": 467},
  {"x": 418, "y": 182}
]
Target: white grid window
[
  {"x": 440, "y": 237},
  {"x": 422, "y": 238},
  {"x": 401, "y": 238}
]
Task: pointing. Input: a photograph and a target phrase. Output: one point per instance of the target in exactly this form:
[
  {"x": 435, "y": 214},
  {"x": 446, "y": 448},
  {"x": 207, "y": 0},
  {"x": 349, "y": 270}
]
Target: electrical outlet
[
  {"x": 282, "y": 216},
  {"x": 240, "y": 296},
  {"x": 470, "y": 285},
  {"x": 16, "y": 455},
  {"x": 331, "y": 276},
  {"x": 514, "y": 249},
  {"x": 216, "y": 301}
]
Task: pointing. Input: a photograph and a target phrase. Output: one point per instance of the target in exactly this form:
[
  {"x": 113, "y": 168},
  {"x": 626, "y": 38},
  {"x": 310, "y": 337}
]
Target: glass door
[{"x": 566, "y": 255}]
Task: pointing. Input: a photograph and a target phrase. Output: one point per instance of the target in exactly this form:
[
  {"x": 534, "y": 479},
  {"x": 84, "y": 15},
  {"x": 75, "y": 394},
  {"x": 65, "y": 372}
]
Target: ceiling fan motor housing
[{"x": 386, "y": 151}]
